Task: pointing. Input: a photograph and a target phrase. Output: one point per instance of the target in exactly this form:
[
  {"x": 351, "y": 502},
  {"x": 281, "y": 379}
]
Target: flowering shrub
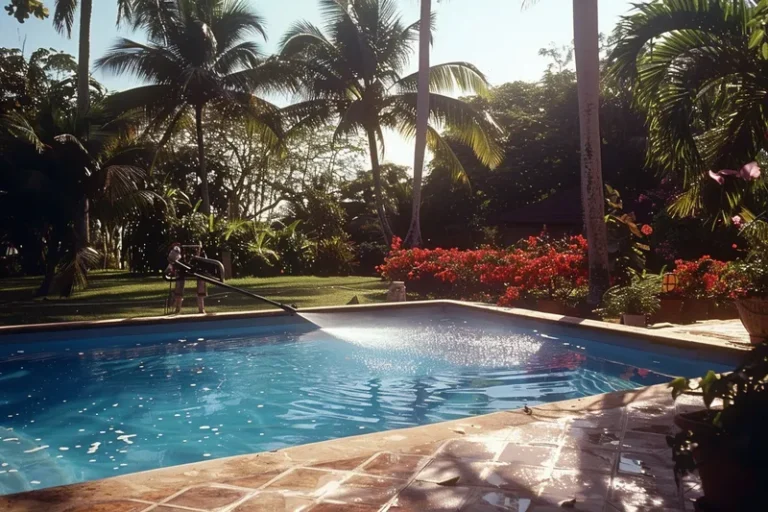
[
  {"x": 537, "y": 267},
  {"x": 706, "y": 278}
]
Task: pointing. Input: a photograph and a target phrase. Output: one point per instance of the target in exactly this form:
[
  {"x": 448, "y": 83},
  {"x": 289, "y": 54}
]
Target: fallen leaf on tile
[{"x": 450, "y": 482}]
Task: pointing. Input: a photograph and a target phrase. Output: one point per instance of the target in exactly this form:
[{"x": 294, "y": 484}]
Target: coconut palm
[
  {"x": 353, "y": 73},
  {"x": 47, "y": 171},
  {"x": 197, "y": 57},
  {"x": 63, "y": 21},
  {"x": 413, "y": 238},
  {"x": 699, "y": 71},
  {"x": 587, "y": 52}
]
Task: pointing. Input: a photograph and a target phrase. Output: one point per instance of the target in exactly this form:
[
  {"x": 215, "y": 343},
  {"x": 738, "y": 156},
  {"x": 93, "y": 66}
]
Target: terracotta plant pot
[
  {"x": 558, "y": 308},
  {"x": 669, "y": 311},
  {"x": 695, "y": 310},
  {"x": 551, "y": 306},
  {"x": 728, "y": 485},
  {"x": 634, "y": 320},
  {"x": 725, "y": 310},
  {"x": 754, "y": 316}
]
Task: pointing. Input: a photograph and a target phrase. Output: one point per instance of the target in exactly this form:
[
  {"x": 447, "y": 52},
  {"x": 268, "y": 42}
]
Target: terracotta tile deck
[
  {"x": 727, "y": 331},
  {"x": 608, "y": 453}
]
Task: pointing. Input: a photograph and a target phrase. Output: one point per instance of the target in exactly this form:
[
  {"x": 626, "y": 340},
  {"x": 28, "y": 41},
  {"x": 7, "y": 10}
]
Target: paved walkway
[
  {"x": 597, "y": 454},
  {"x": 731, "y": 331}
]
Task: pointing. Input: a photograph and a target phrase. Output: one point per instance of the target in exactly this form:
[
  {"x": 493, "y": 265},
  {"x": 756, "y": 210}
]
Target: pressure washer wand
[{"x": 190, "y": 271}]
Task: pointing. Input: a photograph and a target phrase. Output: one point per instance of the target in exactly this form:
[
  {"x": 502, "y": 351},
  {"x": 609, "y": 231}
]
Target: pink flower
[
  {"x": 647, "y": 230},
  {"x": 717, "y": 176},
  {"x": 737, "y": 221},
  {"x": 750, "y": 171}
]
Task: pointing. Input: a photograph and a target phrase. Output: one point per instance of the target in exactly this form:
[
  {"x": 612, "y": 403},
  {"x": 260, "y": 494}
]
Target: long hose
[{"x": 190, "y": 272}]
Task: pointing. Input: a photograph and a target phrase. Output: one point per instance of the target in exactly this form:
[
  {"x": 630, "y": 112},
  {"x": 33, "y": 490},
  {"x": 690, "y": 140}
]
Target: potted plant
[
  {"x": 633, "y": 302},
  {"x": 750, "y": 278},
  {"x": 726, "y": 441},
  {"x": 702, "y": 285}
]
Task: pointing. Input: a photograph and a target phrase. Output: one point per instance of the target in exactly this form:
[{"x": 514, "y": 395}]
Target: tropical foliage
[
  {"x": 696, "y": 69},
  {"x": 200, "y": 152},
  {"x": 352, "y": 72},
  {"x": 197, "y": 57},
  {"x": 49, "y": 174},
  {"x": 536, "y": 268}
]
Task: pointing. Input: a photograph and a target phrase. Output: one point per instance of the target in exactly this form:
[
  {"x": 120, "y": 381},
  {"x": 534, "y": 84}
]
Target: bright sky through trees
[{"x": 495, "y": 35}]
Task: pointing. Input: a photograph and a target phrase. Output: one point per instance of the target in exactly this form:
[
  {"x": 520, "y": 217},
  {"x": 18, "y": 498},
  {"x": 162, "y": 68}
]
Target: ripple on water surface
[{"x": 70, "y": 415}]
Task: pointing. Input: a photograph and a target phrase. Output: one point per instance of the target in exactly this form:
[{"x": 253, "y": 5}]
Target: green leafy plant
[
  {"x": 751, "y": 273},
  {"x": 640, "y": 297},
  {"x": 627, "y": 241},
  {"x": 335, "y": 256},
  {"x": 734, "y": 419}
]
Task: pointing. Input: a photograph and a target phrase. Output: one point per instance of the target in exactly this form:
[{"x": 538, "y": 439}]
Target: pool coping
[
  {"x": 139, "y": 487},
  {"x": 654, "y": 336},
  {"x": 143, "y": 489}
]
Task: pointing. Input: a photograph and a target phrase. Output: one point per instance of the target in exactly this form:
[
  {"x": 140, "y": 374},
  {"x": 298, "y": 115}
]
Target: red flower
[
  {"x": 536, "y": 267},
  {"x": 647, "y": 230}
]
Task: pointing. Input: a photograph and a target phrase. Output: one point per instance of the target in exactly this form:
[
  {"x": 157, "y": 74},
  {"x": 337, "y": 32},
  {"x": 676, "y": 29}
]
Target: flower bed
[
  {"x": 535, "y": 268},
  {"x": 705, "y": 290}
]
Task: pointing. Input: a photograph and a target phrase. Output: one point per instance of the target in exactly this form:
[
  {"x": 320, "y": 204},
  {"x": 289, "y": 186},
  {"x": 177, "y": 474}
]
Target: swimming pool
[{"x": 88, "y": 404}]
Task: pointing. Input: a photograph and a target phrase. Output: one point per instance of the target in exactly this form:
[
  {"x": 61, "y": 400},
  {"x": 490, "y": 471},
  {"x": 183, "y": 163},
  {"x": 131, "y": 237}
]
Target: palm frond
[
  {"x": 68, "y": 138},
  {"x": 244, "y": 55},
  {"x": 150, "y": 100},
  {"x": 150, "y": 63},
  {"x": 236, "y": 21},
  {"x": 311, "y": 114},
  {"x": 17, "y": 126},
  {"x": 74, "y": 270},
  {"x": 464, "y": 123},
  {"x": 124, "y": 11},
  {"x": 445, "y": 154},
  {"x": 449, "y": 77},
  {"x": 155, "y": 17},
  {"x": 271, "y": 76},
  {"x": 64, "y": 16}
]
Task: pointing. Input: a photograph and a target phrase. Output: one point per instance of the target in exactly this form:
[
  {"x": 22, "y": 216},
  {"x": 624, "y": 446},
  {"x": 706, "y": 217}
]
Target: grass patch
[{"x": 114, "y": 294}]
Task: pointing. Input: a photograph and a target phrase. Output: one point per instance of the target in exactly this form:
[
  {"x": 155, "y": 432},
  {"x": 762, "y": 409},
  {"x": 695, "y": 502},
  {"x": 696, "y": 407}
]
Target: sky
[{"x": 495, "y": 35}]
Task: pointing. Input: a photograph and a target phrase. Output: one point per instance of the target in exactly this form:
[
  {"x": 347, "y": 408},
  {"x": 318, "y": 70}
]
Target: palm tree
[
  {"x": 413, "y": 238},
  {"x": 699, "y": 71},
  {"x": 587, "y": 51},
  {"x": 197, "y": 57},
  {"x": 47, "y": 170},
  {"x": 354, "y": 75},
  {"x": 63, "y": 20}
]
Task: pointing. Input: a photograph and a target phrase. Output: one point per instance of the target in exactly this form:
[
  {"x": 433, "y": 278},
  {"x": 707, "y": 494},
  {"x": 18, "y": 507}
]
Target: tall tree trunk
[
  {"x": 378, "y": 193},
  {"x": 84, "y": 60},
  {"x": 587, "y": 52},
  {"x": 83, "y": 106},
  {"x": 413, "y": 238},
  {"x": 201, "y": 156},
  {"x": 52, "y": 256}
]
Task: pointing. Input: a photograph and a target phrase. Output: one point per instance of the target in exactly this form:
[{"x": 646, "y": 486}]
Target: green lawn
[{"x": 113, "y": 294}]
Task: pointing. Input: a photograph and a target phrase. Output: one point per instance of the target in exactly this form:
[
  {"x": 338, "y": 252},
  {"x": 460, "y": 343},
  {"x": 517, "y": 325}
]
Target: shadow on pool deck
[{"x": 608, "y": 453}]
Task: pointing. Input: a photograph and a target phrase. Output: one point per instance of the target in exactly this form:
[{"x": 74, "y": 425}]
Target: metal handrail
[{"x": 186, "y": 269}]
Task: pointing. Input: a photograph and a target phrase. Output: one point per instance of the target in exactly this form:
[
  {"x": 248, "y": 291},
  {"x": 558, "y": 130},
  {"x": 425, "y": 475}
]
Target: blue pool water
[{"x": 78, "y": 407}]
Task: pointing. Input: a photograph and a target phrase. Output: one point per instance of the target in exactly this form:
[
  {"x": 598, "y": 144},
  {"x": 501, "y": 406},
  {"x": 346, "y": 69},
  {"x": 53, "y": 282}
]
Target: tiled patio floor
[
  {"x": 598, "y": 454},
  {"x": 728, "y": 331}
]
